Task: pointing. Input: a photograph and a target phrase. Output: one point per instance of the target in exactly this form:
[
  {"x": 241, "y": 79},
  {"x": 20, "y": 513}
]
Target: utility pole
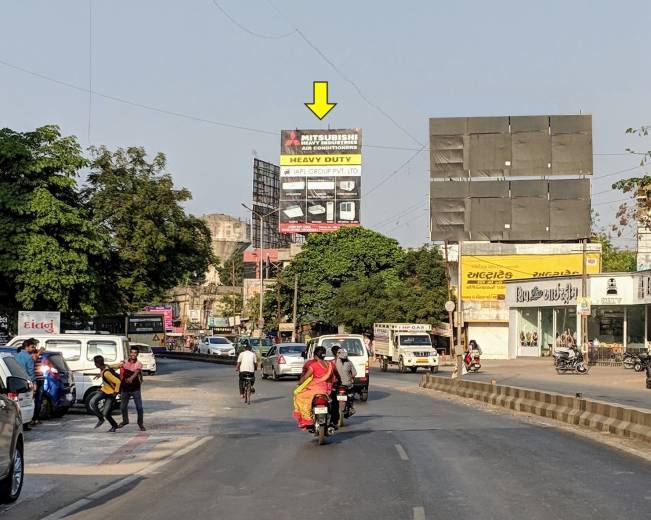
[
  {"x": 459, "y": 352},
  {"x": 261, "y": 275},
  {"x": 450, "y": 313},
  {"x": 584, "y": 293},
  {"x": 294, "y": 308}
]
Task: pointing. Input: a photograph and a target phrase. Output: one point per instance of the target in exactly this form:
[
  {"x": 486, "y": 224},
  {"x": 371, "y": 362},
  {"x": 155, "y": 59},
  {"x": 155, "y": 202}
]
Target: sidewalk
[{"x": 610, "y": 384}]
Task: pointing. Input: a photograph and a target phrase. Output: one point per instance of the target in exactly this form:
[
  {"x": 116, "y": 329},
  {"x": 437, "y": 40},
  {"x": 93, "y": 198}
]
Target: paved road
[{"x": 405, "y": 455}]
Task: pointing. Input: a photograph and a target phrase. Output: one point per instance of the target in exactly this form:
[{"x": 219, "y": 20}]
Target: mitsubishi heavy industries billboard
[{"x": 320, "y": 180}]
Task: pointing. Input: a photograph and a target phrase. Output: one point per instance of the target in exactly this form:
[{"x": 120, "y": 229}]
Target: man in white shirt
[{"x": 247, "y": 363}]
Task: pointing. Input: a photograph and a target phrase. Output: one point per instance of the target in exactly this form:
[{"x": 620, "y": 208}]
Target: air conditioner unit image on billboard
[
  {"x": 330, "y": 211},
  {"x": 347, "y": 211},
  {"x": 295, "y": 185},
  {"x": 320, "y": 185},
  {"x": 293, "y": 212},
  {"x": 347, "y": 185},
  {"x": 317, "y": 209}
]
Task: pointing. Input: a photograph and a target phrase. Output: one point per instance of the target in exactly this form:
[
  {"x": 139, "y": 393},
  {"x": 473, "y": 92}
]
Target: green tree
[
  {"x": 328, "y": 261},
  {"x": 51, "y": 252},
  {"x": 613, "y": 259},
  {"x": 232, "y": 270},
  {"x": 155, "y": 246}
]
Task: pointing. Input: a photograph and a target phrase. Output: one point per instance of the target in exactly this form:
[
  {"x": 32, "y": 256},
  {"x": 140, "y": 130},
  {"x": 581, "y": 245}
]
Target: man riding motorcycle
[{"x": 347, "y": 373}]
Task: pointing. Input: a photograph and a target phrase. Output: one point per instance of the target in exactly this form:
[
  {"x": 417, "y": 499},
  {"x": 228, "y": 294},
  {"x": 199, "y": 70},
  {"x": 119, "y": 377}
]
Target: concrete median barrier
[
  {"x": 618, "y": 420},
  {"x": 191, "y": 356}
]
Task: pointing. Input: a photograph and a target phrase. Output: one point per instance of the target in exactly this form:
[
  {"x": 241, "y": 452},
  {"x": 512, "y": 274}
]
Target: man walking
[
  {"x": 131, "y": 385},
  {"x": 26, "y": 360},
  {"x": 109, "y": 390}
]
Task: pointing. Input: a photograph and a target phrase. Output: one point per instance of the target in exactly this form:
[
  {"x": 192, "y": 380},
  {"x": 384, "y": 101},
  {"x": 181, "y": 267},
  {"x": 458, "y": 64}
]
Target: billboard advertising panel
[
  {"x": 39, "y": 322},
  {"x": 483, "y": 277},
  {"x": 320, "y": 180}
]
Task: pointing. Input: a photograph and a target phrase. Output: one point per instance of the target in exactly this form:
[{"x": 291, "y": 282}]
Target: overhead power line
[{"x": 249, "y": 31}]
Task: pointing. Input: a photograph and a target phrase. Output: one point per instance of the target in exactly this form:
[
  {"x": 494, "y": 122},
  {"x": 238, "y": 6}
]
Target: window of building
[{"x": 635, "y": 328}]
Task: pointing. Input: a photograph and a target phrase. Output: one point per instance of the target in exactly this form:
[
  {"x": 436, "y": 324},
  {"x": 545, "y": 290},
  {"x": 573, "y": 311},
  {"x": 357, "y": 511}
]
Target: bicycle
[{"x": 247, "y": 386}]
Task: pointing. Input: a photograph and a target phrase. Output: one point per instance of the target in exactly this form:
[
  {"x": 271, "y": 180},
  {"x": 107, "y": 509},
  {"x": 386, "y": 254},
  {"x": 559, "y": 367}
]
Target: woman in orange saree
[{"x": 316, "y": 379}]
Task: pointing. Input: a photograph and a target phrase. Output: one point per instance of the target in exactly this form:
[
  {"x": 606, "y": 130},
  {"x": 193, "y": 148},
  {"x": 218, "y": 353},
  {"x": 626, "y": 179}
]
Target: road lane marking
[
  {"x": 419, "y": 513},
  {"x": 401, "y": 452}
]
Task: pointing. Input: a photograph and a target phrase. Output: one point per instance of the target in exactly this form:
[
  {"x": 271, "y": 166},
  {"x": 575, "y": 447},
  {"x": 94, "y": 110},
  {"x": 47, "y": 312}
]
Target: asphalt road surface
[{"x": 405, "y": 455}]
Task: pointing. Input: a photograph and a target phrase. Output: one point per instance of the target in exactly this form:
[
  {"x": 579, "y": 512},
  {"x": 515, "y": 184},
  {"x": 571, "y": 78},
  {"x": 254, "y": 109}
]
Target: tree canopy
[{"x": 155, "y": 246}]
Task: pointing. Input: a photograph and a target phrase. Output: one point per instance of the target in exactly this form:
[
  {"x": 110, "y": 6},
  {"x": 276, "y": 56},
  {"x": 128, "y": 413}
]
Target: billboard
[
  {"x": 483, "y": 276},
  {"x": 478, "y": 167},
  {"x": 320, "y": 180},
  {"x": 166, "y": 311},
  {"x": 39, "y": 322}
]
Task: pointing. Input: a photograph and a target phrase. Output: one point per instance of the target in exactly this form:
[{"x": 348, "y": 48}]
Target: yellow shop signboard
[{"x": 483, "y": 276}]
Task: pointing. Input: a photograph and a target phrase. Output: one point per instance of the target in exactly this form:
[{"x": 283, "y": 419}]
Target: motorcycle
[
  {"x": 472, "y": 362},
  {"x": 345, "y": 398},
  {"x": 569, "y": 361},
  {"x": 641, "y": 361},
  {"x": 629, "y": 359},
  {"x": 321, "y": 413}
]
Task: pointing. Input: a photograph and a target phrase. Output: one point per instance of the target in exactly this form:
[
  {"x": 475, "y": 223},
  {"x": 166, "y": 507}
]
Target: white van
[
  {"x": 79, "y": 349},
  {"x": 357, "y": 353}
]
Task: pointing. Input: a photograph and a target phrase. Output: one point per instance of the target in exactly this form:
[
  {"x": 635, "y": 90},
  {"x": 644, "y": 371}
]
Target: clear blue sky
[{"x": 415, "y": 59}]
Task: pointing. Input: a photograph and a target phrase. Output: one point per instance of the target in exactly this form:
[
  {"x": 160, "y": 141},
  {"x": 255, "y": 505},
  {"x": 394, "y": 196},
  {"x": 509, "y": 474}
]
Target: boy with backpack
[{"x": 108, "y": 392}]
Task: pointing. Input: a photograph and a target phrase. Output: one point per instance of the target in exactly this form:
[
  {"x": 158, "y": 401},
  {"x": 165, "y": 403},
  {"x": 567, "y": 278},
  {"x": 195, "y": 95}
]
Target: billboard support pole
[
  {"x": 261, "y": 276},
  {"x": 459, "y": 353},
  {"x": 450, "y": 313},
  {"x": 584, "y": 293}
]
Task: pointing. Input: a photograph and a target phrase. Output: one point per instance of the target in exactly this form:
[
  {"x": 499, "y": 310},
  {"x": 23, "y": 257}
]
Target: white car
[
  {"x": 146, "y": 357},
  {"x": 10, "y": 367},
  {"x": 217, "y": 346}
]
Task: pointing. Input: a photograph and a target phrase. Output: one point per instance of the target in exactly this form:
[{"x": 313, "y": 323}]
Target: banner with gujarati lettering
[{"x": 483, "y": 276}]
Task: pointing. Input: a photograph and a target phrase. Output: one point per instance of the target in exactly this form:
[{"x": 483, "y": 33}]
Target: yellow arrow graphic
[{"x": 320, "y": 106}]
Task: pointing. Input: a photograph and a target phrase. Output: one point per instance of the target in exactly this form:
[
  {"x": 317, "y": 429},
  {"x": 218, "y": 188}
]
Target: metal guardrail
[{"x": 191, "y": 356}]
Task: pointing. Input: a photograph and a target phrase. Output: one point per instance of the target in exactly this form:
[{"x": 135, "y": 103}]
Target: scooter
[
  {"x": 641, "y": 361},
  {"x": 472, "y": 362},
  {"x": 321, "y": 413},
  {"x": 345, "y": 398}
]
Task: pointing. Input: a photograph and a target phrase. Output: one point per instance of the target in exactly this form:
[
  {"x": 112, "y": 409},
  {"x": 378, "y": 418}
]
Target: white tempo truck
[{"x": 407, "y": 345}]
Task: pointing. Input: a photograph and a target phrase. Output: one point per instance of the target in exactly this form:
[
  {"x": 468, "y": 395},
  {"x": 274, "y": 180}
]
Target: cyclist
[{"x": 247, "y": 364}]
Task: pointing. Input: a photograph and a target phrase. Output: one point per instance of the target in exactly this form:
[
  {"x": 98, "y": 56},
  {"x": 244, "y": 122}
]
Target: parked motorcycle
[
  {"x": 472, "y": 362},
  {"x": 641, "y": 361},
  {"x": 321, "y": 413},
  {"x": 345, "y": 399},
  {"x": 629, "y": 359},
  {"x": 569, "y": 361}
]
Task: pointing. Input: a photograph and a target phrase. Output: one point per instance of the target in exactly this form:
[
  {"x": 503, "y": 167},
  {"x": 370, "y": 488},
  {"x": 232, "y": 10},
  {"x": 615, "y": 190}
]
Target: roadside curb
[
  {"x": 631, "y": 423},
  {"x": 190, "y": 356}
]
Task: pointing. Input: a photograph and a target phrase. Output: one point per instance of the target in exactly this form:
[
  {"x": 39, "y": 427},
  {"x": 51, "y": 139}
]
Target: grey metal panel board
[
  {"x": 447, "y": 125},
  {"x": 537, "y": 189},
  {"x": 447, "y": 156},
  {"x": 531, "y": 154},
  {"x": 489, "y": 154},
  {"x": 527, "y": 124},
  {"x": 572, "y": 154},
  {"x": 570, "y": 124},
  {"x": 570, "y": 219},
  {"x": 566, "y": 189},
  {"x": 529, "y": 219},
  {"x": 448, "y": 189},
  {"x": 488, "y": 125},
  {"x": 447, "y": 219},
  {"x": 488, "y": 218},
  {"x": 485, "y": 189}
]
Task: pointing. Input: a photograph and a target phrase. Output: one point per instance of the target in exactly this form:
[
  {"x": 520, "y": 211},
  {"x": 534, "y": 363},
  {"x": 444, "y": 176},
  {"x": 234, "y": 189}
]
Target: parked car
[
  {"x": 284, "y": 359},
  {"x": 59, "y": 392},
  {"x": 12, "y": 462},
  {"x": 78, "y": 351},
  {"x": 10, "y": 367},
  {"x": 217, "y": 346},
  {"x": 146, "y": 357}
]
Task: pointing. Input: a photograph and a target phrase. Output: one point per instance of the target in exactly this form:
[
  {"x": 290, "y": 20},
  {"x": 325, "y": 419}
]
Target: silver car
[{"x": 284, "y": 359}]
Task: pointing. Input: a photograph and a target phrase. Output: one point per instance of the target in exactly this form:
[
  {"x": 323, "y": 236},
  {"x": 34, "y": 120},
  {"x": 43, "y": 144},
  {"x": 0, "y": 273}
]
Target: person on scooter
[
  {"x": 347, "y": 374},
  {"x": 317, "y": 378}
]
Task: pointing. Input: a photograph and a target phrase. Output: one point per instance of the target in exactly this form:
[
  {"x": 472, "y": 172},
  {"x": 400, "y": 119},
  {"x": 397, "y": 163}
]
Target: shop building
[{"x": 543, "y": 315}]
